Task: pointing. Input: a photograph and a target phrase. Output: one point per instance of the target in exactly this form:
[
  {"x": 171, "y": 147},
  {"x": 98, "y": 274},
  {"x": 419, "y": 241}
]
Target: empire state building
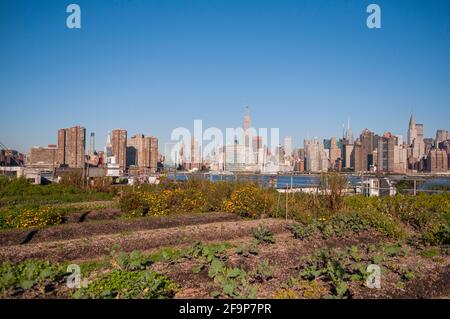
[{"x": 246, "y": 126}]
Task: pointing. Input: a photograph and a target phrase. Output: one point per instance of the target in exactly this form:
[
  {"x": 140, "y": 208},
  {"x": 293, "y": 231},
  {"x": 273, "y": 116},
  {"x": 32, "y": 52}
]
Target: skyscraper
[
  {"x": 335, "y": 153},
  {"x": 119, "y": 148},
  {"x": 72, "y": 147},
  {"x": 415, "y": 140},
  {"x": 441, "y": 136},
  {"x": 349, "y": 133},
  {"x": 358, "y": 157},
  {"x": 154, "y": 153},
  {"x": 142, "y": 152},
  {"x": 92, "y": 144},
  {"x": 247, "y": 124},
  {"x": 316, "y": 159},
  {"x": 288, "y": 146},
  {"x": 437, "y": 161},
  {"x": 347, "y": 151},
  {"x": 412, "y": 134},
  {"x": 258, "y": 151},
  {"x": 391, "y": 154},
  {"x": 363, "y": 151}
]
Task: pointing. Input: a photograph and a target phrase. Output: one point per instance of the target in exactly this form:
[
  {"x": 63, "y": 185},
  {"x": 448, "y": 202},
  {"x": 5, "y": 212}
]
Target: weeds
[{"x": 263, "y": 235}]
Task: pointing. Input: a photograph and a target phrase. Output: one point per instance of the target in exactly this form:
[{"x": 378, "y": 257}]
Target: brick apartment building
[
  {"x": 72, "y": 147},
  {"x": 142, "y": 153},
  {"x": 437, "y": 161},
  {"x": 119, "y": 148}
]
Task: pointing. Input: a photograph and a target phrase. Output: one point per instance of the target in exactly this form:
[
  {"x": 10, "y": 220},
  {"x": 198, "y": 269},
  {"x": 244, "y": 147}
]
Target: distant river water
[{"x": 297, "y": 181}]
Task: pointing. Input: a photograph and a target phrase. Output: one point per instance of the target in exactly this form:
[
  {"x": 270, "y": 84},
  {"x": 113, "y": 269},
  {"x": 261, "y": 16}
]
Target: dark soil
[
  {"x": 432, "y": 280},
  {"x": 93, "y": 215},
  {"x": 167, "y": 234},
  {"x": 283, "y": 256},
  {"x": 431, "y": 275},
  {"x": 89, "y": 229}
]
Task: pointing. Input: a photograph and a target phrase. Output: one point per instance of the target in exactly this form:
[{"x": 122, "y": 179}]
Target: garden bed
[
  {"x": 286, "y": 267},
  {"x": 92, "y": 246},
  {"x": 111, "y": 227}
]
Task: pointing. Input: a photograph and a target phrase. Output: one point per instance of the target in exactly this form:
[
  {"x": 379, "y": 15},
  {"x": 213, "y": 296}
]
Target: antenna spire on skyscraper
[{"x": 247, "y": 121}]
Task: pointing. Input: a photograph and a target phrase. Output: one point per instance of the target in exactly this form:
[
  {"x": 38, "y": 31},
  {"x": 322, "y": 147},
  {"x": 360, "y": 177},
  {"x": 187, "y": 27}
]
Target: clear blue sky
[{"x": 150, "y": 66}]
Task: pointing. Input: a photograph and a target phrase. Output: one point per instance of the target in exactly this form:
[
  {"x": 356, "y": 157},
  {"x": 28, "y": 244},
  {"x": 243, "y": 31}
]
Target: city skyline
[
  {"x": 305, "y": 67},
  {"x": 295, "y": 142},
  {"x": 245, "y": 149}
]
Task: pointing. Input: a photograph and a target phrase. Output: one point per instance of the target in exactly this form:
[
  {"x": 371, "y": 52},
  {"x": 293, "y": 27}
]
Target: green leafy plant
[
  {"x": 394, "y": 250},
  {"x": 303, "y": 231},
  {"x": 233, "y": 281},
  {"x": 29, "y": 273},
  {"x": 130, "y": 262},
  {"x": 263, "y": 272},
  {"x": 329, "y": 266},
  {"x": 431, "y": 252},
  {"x": 407, "y": 274},
  {"x": 122, "y": 284},
  {"x": 248, "y": 250},
  {"x": 263, "y": 235}
]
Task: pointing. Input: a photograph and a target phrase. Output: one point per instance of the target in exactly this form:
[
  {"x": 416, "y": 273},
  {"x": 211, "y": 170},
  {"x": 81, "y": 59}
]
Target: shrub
[
  {"x": 102, "y": 184},
  {"x": 417, "y": 211},
  {"x": 438, "y": 234},
  {"x": 157, "y": 204},
  {"x": 139, "y": 204},
  {"x": 7, "y": 219},
  {"x": 333, "y": 186},
  {"x": 130, "y": 202},
  {"x": 19, "y": 191},
  {"x": 249, "y": 201},
  {"x": 187, "y": 200},
  {"x": 135, "y": 213},
  {"x": 213, "y": 194},
  {"x": 73, "y": 178},
  {"x": 216, "y": 193},
  {"x": 303, "y": 207},
  {"x": 38, "y": 217}
]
